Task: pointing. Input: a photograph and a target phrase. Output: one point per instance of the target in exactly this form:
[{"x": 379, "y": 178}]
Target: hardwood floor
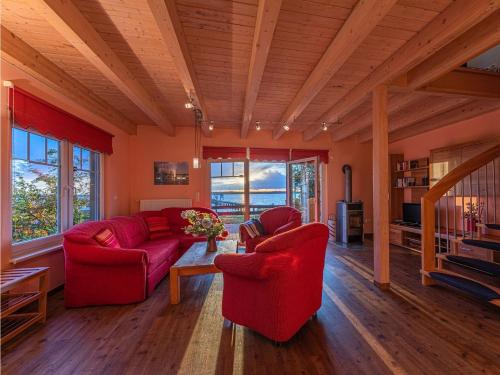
[{"x": 359, "y": 330}]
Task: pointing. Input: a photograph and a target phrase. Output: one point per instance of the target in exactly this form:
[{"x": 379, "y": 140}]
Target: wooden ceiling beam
[
  {"x": 464, "y": 112},
  {"x": 169, "y": 24},
  {"x": 20, "y": 54},
  {"x": 267, "y": 18},
  {"x": 467, "y": 46},
  {"x": 359, "y": 25},
  {"x": 466, "y": 82},
  {"x": 424, "y": 109},
  {"x": 65, "y": 17},
  {"x": 456, "y": 19},
  {"x": 365, "y": 120}
]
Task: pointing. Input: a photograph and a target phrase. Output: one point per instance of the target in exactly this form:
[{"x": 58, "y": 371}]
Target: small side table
[{"x": 14, "y": 323}]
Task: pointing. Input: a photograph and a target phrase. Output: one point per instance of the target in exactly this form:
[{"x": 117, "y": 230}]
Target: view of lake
[{"x": 262, "y": 198}]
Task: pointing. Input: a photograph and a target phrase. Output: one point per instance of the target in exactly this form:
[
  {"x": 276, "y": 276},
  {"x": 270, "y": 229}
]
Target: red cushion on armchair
[
  {"x": 277, "y": 288},
  {"x": 275, "y": 221}
]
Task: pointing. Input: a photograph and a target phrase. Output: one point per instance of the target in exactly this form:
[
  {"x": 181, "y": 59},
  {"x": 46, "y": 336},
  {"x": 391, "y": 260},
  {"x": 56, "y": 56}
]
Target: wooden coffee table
[{"x": 196, "y": 261}]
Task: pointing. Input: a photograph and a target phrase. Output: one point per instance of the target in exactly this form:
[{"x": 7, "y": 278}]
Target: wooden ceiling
[{"x": 294, "y": 62}]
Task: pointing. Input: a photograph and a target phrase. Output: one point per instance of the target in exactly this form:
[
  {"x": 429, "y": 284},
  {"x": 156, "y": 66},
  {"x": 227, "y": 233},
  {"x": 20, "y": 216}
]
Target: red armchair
[
  {"x": 275, "y": 221},
  {"x": 276, "y": 289}
]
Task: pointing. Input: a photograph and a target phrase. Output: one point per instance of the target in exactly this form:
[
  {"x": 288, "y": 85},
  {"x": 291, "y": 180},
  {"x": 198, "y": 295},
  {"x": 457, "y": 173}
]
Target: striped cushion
[
  {"x": 254, "y": 228},
  {"x": 106, "y": 238},
  {"x": 158, "y": 226}
]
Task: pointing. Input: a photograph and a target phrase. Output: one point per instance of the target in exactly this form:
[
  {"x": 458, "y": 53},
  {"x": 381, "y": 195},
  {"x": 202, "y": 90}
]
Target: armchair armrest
[
  {"x": 253, "y": 265},
  {"x": 285, "y": 228},
  {"x": 244, "y": 236},
  {"x": 243, "y": 265},
  {"x": 103, "y": 256}
]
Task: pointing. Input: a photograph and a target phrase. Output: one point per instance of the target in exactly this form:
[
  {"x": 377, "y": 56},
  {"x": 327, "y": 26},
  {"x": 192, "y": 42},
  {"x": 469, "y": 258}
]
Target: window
[
  {"x": 36, "y": 172},
  {"x": 54, "y": 185},
  {"x": 263, "y": 183},
  {"x": 85, "y": 185}
]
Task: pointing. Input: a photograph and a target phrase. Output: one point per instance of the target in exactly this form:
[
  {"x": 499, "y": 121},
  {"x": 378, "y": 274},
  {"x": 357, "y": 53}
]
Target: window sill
[{"x": 36, "y": 254}]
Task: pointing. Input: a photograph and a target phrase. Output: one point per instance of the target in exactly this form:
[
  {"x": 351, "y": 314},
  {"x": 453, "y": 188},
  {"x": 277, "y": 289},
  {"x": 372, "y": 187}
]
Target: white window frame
[{"x": 25, "y": 250}]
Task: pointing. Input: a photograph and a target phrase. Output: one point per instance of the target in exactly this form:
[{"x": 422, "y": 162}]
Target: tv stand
[{"x": 409, "y": 236}]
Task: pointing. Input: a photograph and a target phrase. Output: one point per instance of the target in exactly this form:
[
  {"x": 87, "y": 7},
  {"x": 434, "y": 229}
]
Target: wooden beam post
[
  {"x": 428, "y": 240},
  {"x": 380, "y": 187},
  {"x": 267, "y": 18}
]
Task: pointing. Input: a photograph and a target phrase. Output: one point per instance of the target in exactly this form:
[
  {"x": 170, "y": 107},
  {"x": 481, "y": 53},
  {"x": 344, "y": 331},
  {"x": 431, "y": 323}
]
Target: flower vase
[
  {"x": 211, "y": 244},
  {"x": 471, "y": 225}
]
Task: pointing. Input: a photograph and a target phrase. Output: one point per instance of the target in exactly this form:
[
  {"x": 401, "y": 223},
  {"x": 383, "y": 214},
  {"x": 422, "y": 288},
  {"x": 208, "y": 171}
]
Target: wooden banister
[{"x": 434, "y": 194}]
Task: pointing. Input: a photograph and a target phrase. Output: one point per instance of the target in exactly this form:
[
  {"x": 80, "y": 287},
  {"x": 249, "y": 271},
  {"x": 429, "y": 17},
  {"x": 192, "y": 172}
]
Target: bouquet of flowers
[{"x": 203, "y": 224}]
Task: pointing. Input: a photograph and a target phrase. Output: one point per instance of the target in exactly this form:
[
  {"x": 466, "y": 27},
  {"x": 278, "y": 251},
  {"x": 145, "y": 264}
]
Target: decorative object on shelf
[
  {"x": 204, "y": 224},
  {"x": 473, "y": 215},
  {"x": 171, "y": 173}
]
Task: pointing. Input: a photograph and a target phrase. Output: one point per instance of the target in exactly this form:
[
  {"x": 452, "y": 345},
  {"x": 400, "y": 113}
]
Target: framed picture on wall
[{"x": 171, "y": 173}]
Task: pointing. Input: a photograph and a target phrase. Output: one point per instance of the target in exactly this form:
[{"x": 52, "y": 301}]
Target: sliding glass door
[{"x": 303, "y": 188}]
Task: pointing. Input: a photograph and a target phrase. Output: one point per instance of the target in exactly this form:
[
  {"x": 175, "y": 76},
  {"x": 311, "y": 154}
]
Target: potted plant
[
  {"x": 473, "y": 215},
  {"x": 204, "y": 224}
]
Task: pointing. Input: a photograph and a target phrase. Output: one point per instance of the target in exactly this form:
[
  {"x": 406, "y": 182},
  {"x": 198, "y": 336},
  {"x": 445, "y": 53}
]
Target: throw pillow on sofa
[
  {"x": 106, "y": 238},
  {"x": 158, "y": 226}
]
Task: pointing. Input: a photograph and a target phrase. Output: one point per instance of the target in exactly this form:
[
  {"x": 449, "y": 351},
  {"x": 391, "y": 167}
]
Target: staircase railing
[{"x": 458, "y": 175}]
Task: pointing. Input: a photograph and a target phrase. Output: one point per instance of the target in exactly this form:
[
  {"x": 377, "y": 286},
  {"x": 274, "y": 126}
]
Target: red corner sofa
[
  {"x": 99, "y": 275},
  {"x": 275, "y": 221},
  {"x": 277, "y": 288}
]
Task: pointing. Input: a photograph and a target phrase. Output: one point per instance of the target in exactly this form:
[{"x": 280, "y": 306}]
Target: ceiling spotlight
[
  {"x": 189, "y": 105},
  {"x": 324, "y": 127},
  {"x": 286, "y": 127},
  {"x": 211, "y": 126},
  {"x": 257, "y": 125}
]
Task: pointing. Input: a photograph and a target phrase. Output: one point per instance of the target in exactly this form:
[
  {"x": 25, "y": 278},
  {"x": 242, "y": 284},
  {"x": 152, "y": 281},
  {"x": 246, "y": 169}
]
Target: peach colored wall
[
  {"x": 151, "y": 145},
  {"x": 420, "y": 146},
  {"x": 116, "y": 174}
]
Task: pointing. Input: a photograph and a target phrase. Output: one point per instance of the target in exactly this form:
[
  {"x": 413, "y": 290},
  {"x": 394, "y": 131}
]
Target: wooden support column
[{"x": 380, "y": 187}]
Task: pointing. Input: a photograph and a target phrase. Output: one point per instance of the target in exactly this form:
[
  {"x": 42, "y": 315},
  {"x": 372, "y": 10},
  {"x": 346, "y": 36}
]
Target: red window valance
[
  {"x": 270, "y": 154},
  {"x": 302, "y": 154},
  {"x": 32, "y": 112},
  {"x": 224, "y": 152}
]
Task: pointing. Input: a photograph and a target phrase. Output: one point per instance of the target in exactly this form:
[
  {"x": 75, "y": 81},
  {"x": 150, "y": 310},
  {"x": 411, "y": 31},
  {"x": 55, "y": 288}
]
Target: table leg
[
  {"x": 42, "y": 301},
  {"x": 175, "y": 292}
]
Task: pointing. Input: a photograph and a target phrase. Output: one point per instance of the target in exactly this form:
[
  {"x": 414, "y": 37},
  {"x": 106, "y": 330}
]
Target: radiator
[{"x": 158, "y": 204}]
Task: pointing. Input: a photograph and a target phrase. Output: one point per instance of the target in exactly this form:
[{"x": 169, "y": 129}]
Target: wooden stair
[
  {"x": 473, "y": 287},
  {"x": 488, "y": 268}
]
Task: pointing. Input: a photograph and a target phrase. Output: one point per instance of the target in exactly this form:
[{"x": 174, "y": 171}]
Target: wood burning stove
[{"x": 349, "y": 226}]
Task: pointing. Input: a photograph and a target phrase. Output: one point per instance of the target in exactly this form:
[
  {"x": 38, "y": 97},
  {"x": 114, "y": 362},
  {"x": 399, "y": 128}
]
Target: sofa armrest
[
  {"x": 285, "y": 228},
  {"x": 103, "y": 256}
]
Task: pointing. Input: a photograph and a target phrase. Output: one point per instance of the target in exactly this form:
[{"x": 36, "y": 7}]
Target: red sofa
[
  {"x": 97, "y": 275},
  {"x": 275, "y": 221},
  {"x": 276, "y": 289}
]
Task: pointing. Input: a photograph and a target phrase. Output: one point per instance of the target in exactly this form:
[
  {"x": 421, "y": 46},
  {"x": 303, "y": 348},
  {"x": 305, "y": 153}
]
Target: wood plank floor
[{"x": 359, "y": 330}]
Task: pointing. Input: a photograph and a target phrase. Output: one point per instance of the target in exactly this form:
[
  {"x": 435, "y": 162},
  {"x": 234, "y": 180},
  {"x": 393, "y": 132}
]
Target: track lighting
[
  {"x": 324, "y": 127},
  {"x": 286, "y": 127},
  {"x": 189, "y": 105},
  {"x": 257, "y": 125},
  {"x": 211, "y": 126}
]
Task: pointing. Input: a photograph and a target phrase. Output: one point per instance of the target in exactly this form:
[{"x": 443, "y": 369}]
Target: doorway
[{"x": 304, "y": 188}]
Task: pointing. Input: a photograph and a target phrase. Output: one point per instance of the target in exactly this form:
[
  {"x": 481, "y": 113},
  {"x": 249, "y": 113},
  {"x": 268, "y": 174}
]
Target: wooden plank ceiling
[{"x": 311, "y": 60}]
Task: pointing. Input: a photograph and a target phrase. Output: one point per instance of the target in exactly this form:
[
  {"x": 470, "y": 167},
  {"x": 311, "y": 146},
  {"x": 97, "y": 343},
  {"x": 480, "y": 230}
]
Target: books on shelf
[{"x": 408, "y": 165}]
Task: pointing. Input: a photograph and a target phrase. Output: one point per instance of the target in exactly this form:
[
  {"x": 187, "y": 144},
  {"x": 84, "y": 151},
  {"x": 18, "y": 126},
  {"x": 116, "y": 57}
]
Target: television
[{"x": 411, "y": 213}]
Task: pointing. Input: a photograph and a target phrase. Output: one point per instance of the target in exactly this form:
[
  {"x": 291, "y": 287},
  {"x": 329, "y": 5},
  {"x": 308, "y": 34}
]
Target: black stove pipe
[{"x": 346, "y": 168}]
